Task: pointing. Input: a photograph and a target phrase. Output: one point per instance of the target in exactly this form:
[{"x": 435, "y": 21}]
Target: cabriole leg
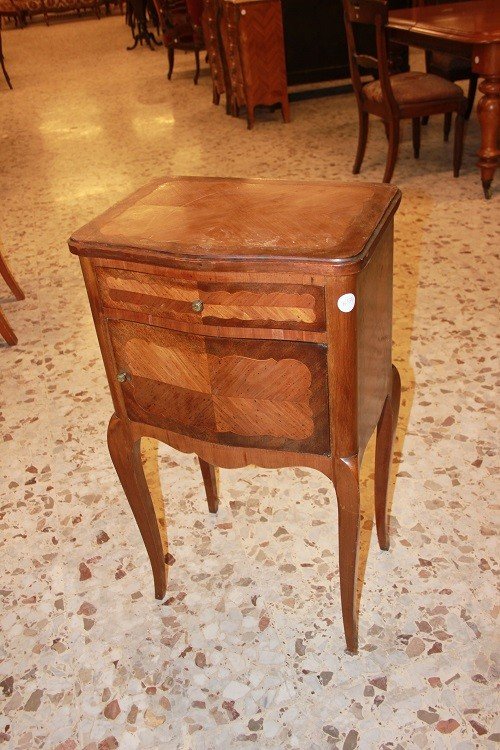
[
  {"x": 386, "y": 429},
  {"x": 347, "y": 489},
  {"x": 126, "y": 457}
]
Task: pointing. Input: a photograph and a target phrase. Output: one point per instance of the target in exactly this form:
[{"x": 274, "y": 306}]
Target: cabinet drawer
[
  {"x": 282, "y": 306},
  {"x": 263, "y": 394}
]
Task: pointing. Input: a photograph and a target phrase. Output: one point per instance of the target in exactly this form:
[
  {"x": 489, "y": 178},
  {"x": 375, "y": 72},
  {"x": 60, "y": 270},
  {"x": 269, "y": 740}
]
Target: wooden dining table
[{"x": 466, "y": 29}]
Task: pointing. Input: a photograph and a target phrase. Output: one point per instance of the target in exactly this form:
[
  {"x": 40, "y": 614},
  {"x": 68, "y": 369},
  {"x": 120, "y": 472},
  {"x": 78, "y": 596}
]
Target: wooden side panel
[
  {"x": 209, "y": 23},
  {"x": 269, "y": 394},
  {"x": 374, "y": 336}
]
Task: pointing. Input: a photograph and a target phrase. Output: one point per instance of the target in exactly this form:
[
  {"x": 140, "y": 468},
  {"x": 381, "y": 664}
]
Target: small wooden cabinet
[
  {"x": 252, "y": 37},
  {"x": 249, "y": 322}
]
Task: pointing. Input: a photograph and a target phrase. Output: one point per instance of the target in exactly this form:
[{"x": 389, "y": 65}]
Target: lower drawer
[{"x": 263, "y": 394}]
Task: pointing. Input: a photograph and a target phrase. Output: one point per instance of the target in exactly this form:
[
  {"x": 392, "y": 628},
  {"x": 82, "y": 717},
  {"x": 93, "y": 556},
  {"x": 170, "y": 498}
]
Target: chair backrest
[
  {"x": 175, "y": 21},
  {"x": 374, "y": 13}
]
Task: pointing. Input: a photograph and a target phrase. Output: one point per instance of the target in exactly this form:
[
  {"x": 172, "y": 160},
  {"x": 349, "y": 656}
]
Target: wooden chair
[
  {"x": 180, "y": 22},
  {"x": 5, "y": 330},
  {"x": 393, "y": 98},
  {"x": 452, "y": 68}
]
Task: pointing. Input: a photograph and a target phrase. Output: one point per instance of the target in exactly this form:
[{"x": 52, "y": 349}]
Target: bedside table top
[{"x": 264, "y": 225}]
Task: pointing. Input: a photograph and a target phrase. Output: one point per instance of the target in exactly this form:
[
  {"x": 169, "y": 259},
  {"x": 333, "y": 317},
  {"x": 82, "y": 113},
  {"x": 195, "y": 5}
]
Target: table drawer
[
  {"x": 282, "y": 306},
  {"x": 264, "y": 394}
]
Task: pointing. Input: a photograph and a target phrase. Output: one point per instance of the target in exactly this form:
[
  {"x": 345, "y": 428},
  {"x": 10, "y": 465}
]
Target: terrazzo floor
[{"x": 248, "y": 649}]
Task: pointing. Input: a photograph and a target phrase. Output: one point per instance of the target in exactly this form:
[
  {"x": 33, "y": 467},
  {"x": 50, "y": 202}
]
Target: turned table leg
[
  {"x": 488, "y": 112},
  {"x": 347, "y": 488},
  {"x": 386, "y": 429},
  {"x": 209, "y": 475},
  {"x": 126, "y": 456}
]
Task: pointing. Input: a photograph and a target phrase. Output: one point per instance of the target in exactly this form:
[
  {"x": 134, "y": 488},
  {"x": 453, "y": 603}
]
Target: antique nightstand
[{"x": 249, "y": 322}]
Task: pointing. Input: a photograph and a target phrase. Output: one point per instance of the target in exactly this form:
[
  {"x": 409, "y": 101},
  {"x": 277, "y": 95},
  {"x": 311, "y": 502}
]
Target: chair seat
[
  {"x": 415, "y": 88},
  {"x": 450, "y": 65}
]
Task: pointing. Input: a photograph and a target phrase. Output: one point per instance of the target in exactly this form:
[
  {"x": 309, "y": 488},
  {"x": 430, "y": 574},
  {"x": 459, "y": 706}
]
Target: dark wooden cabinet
[{"x": 315, "y": 40}]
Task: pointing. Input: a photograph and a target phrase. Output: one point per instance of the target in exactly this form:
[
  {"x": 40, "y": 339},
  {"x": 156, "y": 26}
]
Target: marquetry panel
[
  {"x": 252, "y": 35},
  {"x": 262, "y": 52},
  {"x": 270, "y": 394},
  {"x": 263, "y": 305},
  {"x": 285, "y": 306}
]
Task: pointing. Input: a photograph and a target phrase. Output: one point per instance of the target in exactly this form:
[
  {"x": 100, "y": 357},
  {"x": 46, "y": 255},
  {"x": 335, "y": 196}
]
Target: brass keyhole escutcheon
[
  {"x": 123, "y": 376},
  {"x": 197, "y": 305}
]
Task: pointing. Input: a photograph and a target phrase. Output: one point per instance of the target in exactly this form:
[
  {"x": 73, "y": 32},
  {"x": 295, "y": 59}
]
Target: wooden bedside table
[{"x": 249, "y": 322}]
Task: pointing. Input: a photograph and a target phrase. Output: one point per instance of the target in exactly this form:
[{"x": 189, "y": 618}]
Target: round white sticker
[{"x": 346, "y": 302}]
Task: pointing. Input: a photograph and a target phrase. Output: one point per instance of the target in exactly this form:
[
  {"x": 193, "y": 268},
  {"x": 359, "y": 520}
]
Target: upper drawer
[{"x": 286, "y": 306}]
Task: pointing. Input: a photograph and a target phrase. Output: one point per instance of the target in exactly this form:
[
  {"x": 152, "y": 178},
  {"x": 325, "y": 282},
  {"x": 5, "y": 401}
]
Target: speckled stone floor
[{"x": 248, "y": 649}]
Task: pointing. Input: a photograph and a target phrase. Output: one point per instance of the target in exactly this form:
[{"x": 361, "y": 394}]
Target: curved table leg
[
  {"x": 488, "y": 112},
  {"x": 346, "y": 472},
  {"x": 386, "y": 429},
  {"x": 126, "y": 457}
]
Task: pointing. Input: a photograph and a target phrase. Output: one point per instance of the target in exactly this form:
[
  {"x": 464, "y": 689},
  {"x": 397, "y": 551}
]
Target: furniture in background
[
  {"x": 30, "y": 8},
  {"x": 11, "y": 11},
  {"x": 180, "y": 23},
  {"x": 5, "y": 329},
  {"x": 411, "y": 95},
  {"x": 211, "y": 32},
  {"x": 311, "y": 37},
  {"x": 252, "y": 36},
  {"x": 136, "y": 17},
  {"x": 469, "y": 29},
  {"x": 21, "y": 10},
  {"x": 451, "y": 67},
  {"x": 249, "y": 322},
  {"x": 316, "y": 44},
  {"x": 2, "y": 63}
]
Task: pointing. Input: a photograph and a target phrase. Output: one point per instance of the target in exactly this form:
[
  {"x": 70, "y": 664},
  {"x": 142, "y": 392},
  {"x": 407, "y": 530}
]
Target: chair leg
[
  {"x": 425, "y": 120},
  {"x": 10, "y": 280},
  {"x": 6, "y": 331},
  {"x": 392, "y": 153},
  {"x": 197, "y": 70},
  {"x": 447, "y": 126},
  {"x": 215, "y": 94},
  {"x": 171, "y": 54},
  {"x": 471, "y": 95},
  {"x": 362, "y": 138},
  {"x": 459, "y": 144},
  {"x": 415, "y": 123}
]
